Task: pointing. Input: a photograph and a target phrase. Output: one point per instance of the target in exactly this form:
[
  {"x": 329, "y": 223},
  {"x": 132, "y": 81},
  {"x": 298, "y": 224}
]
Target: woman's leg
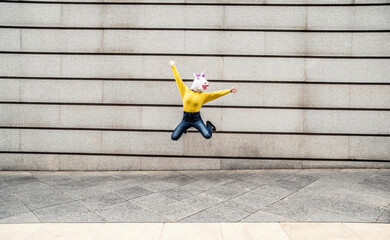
[
  {"x": 205, "y": 131},
  {"x": 179, "y": 130}
]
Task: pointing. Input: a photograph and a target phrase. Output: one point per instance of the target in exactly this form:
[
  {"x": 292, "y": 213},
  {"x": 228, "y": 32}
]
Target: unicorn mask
[{"x": 200, "y": 83}]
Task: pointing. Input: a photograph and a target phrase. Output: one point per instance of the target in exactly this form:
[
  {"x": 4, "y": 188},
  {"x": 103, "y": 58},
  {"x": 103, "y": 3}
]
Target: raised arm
[
  {"x": 180, "y": 84},
  {"x": 214, "y": 95}
]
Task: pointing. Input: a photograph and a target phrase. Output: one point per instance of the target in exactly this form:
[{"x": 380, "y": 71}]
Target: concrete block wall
[{"x": 87, "y": 85}]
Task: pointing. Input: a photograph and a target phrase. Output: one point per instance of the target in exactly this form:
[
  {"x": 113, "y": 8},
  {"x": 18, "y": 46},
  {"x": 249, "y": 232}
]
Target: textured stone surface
[
  {"x": 190, "y": 42},
  {"x": 238, "y": 120},
  {"x": 122, "y": 66},
  {"x": 67, "y": 212},
  {"x": 265, "y": 94},
  {"x": 341, "y": 64},
  {"x": 195, "y": 196},
  {"x": 10, "y": 89}
]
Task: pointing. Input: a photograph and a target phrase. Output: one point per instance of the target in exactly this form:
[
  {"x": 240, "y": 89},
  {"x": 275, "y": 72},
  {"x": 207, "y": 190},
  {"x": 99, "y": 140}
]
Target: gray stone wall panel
[
  {"x": 36, "y": 90},
  {"x": 166, "y": 92},
  {"x": 9, "y": 140},
  {"x": 235, "y": 1},
  {"x": 98, "y": 163},
  {"x": 29, "y": 162},
  {"x": 226, "y": 119},
  {"x": 60, "y": 140},
  {"x": 253, "y": 150},
  {"x": 10, "y": 39},
  {"x": 48, "y": 40},
  {"x": 348, "y": 70},
  {"x": 176, "y": 16},
  {"x": 375, "y": 147},
  {"x": 9, "y": 89},
  {"x": 193, "y": 144},
  {"x": 101, "y": 117},
  {"x": 196, "y": 42},
  {"x": 30, "y": 65},
  {"x": 29, "y": 115},
  {"x": 226, "y": 68},
  {"x": 352, "y": 18},
  {"x": 15, "y": 14}
]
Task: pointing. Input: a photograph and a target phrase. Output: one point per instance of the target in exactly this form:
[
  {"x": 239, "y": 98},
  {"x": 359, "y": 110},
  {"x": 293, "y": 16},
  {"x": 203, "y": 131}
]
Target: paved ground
[
  {"x": 347, "y": 195},
  {"x": 195, "y": 231}
]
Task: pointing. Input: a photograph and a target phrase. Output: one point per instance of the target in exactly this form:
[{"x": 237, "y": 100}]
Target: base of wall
[{"x": 64, "y": 162}]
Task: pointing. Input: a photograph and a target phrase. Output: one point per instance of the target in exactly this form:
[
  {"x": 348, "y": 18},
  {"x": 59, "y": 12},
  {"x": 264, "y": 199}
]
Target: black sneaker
[{"x": 212, "y": 126}]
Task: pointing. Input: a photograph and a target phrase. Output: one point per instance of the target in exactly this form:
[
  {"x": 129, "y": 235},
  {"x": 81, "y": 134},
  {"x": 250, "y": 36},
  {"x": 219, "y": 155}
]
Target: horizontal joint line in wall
[
  {"x": 192, "y": 156},
  {"x": 206, "y": 106},
  {"x": 196, "y": 29},
  {"x": 190, "y": 80},
  {"x": 190, "y": 55},
  {"x": 199, "y": 4},
  {"x": 192, "y": 132}
]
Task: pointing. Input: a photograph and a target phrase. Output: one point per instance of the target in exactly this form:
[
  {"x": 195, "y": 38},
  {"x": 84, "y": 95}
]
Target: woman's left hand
[{"x": 234, "y": 89}]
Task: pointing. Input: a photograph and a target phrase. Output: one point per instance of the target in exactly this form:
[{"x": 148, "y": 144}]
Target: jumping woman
[{"x": 193, "y": 99}]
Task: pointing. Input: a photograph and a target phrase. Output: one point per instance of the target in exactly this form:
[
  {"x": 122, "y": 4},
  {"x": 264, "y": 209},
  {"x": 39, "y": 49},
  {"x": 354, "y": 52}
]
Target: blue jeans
[{"x": 191, "y": 119}]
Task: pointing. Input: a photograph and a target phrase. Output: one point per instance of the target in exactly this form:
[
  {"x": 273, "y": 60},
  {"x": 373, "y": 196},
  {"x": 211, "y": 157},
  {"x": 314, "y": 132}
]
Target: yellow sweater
[{"x": 193, "y": 101}]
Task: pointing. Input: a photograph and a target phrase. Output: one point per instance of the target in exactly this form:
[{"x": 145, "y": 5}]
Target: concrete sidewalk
[
  {"x": 327, "y": 195},
  {"x": 195, "y": 231}
]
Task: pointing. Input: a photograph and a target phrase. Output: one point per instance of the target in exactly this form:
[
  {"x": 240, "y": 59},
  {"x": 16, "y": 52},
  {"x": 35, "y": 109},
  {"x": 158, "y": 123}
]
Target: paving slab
[
  {"x": 368, "y": 195},
  {"x": 66, "y": 231},
  {"x": 175, "y": 211},
  {"x": 242, "y": 184},
  {"x": 202, "y": 201},
  {"x": 128, "y": 212},
  {"x": 101, "y": 201},
  {"x": 246, "y": 231},
  {"x": 130, "y": 231},
  {"x": 202, "y": 185},
  {"x": 370, "y": 231},
  {"x": 14, "y": 208},
  {"x": 194, "y": 231},
  {"x": 27, "y": 217},
  {"x": 282, "y": 195},
  {"x": 291, "y": 210},
  {"x": 180, "y": 193},
  {"x": 254, "y": 199},
  {"x": 132, "y": 192},
  {"x": 379, "y": 181},
  {"x": 189, "y": 231},
  {"x": 310, "y": 200},
  {"x": 67, "y": 212},
  {"x": 152, "y": 200},
  {"x": 204, "y": 217},
  {"x": 325, "y": 216},
  {"x": 224, "y": 192},
  {"x": 6, "y": 197},
  {"x": 17, "y": 231},
  {"x": 273, "y": 191},
  {"x": 261, "y": 216},
  {"x": 232, "y": 210},
  {"x": 319, "y": 231},
  {"x": 385, "y": 217},
  {"x": 28, "y": 186},
  {"x": 353, "y": 209},
  {"x": 179, "y": 179},
  {"x": 36, "y": 199}
]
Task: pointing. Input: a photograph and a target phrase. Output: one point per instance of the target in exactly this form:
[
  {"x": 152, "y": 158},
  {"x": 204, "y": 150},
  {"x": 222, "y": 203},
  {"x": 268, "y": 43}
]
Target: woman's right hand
[{"x": 172, "y": 62}]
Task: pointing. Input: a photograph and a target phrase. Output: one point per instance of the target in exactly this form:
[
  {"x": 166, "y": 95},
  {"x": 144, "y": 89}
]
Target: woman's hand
[
  {"x": 172, "y": 62},
  {"x": 233, "y": 89}
]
